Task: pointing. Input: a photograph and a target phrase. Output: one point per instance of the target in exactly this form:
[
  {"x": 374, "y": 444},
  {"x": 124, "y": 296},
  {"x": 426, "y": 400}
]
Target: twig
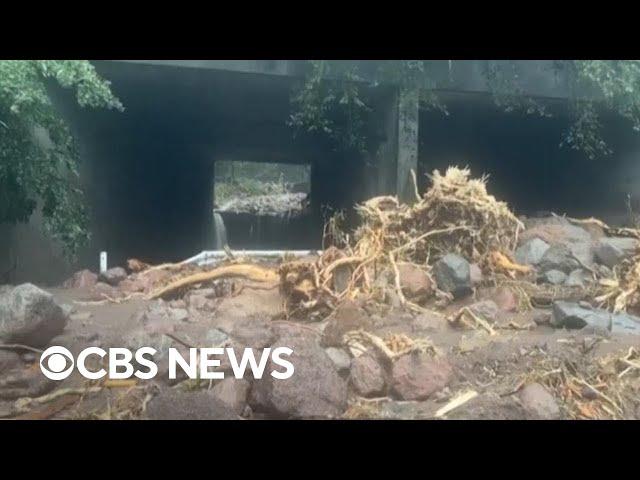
[
  {"x": 415, "y": 185},
  {"x": 428, "y": 234},
  {"x": 456, "y": 402},
  {"x": 17, "y": 346}
]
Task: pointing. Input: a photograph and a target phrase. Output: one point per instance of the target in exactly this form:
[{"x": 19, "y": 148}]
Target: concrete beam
[
  {"x": 266, "y": 67},
  {"x": 537, "y": 78},
  {"x": 408, "y": 107}
]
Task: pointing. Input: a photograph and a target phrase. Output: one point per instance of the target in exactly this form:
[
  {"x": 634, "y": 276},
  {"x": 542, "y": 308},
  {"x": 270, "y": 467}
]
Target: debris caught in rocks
[{"x": 536, "y": 318}]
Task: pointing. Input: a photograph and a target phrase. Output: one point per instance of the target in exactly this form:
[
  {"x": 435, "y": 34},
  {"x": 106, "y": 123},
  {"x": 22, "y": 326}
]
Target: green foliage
[
  {"x": 319, "y": 105},
  {"x": 38, "y": 159},
  {"x": 248, "y": 179},
  {"x": 332, "y": 108},
  {"x": 331, "y": 100}
]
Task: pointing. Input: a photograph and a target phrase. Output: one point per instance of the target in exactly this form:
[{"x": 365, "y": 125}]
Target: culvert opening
[{"x": 261, "y": 205}]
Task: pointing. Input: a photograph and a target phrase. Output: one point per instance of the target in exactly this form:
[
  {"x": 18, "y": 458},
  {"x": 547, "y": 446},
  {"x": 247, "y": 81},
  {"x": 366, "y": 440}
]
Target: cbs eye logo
[{"x": 55, "y": 366}]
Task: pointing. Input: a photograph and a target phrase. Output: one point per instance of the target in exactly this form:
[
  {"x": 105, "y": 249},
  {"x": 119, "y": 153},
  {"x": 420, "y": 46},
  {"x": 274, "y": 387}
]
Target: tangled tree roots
[
  {"x": 455, "y": 215},
  {"x": 473, "y": 223}
]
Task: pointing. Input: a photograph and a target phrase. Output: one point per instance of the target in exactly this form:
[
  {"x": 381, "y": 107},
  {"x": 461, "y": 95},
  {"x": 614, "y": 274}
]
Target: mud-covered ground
[{"x": 526, "y": 370}]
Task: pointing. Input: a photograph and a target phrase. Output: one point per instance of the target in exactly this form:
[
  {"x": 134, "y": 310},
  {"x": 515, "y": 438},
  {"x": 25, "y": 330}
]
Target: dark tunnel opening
[
  {"x": 526, "y": 165},
  {"x": 148, "y": 172}
]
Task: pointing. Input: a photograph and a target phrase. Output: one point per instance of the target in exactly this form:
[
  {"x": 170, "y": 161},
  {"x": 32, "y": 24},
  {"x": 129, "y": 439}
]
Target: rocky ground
[{"x": 545, "y": 351}]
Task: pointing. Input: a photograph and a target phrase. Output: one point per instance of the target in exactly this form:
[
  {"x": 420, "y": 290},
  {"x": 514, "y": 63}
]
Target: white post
[{"x": 103, "y": 262}]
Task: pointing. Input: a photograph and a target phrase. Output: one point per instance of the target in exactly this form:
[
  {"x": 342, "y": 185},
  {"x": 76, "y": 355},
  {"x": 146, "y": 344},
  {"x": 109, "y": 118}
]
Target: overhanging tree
[
  {"x": 38, "y": 158},
  {"x": 337, "y": 107}
]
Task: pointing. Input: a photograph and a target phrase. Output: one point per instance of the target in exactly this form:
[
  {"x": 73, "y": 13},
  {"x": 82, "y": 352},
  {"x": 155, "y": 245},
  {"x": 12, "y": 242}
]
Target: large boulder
[
  {"x": 531, "y": 251},
  {"x": 30, "y": 316},
  {"x": 315, "y": 390},
  {"x": 611, "y": 251},
  {"x": 576, "y": 316},
  {"x": 453, "y": 275},
  {"x": 417, "y": 376}
]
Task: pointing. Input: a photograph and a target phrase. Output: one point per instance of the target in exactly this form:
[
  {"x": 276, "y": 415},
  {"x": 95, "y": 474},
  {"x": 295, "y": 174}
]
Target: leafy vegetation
[
  {"x": 337, "y": 106},
  {"x": 38, "y": 158},
  {"x": 235, "y": 179}
]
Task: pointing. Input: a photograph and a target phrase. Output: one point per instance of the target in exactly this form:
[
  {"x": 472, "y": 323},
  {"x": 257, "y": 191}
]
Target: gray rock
[
  {"x": 159, "y": 316},
  {"x": 554, "y": 277},
  {"x": 30, "y": 316},
  {"x": 611, "y": 251},
  {"x": 538, "y": 402},
  {"x": 341, "y": 359},
  {"x": 113, "y": 276},
  {"x": 315, "y": 390},
  {"x": 173, "y": 404},
  {"x": 453, "y": 275},
  {"x": 476, "y": 274},
  {"x": 367, "y": 376},
  {"x": 574, "y": 316},
  {"x": 625, "y": 323},
  {"x": 215, "y": 337},
  {"x": 583, "y": 251},
  {"x": 558, "y": 257},
  {"x": 233, "y": 393},
  {"x": 531, "y": 251},
  {"x": 577, "y": 278},
  {"x": 486, "y": 309}
]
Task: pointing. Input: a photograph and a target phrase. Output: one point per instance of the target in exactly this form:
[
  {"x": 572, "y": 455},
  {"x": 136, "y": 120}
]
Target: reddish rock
[
  {"x": 505, "y": 299},
  {"x": 414, "y": 281},
  {"x": 81, "y": 279},
  {"x": 130, "y": 285},
  {"x": 367, "y": 376},
  {"x": 417, "y": 376},
  {"x": 102, "y": 291},
  {"x": 173, "y": 404},
  {"x": 346, "y": 318},
  {"x": 538, "y": 402}
]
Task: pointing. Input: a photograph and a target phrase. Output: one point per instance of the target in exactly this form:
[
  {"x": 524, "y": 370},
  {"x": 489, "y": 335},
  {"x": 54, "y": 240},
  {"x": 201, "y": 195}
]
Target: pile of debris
[
  {"x": 455, "y": 224},
  {"x": 456, "y": 260},
  {"x": 275, "y": 204}
]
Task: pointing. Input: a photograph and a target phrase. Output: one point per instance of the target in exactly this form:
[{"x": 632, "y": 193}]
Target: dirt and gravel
[{"x": 451, "y": 308}]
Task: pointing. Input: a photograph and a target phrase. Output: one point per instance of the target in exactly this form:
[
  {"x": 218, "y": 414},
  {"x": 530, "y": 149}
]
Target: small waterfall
[{"x": 219, "y": 232}]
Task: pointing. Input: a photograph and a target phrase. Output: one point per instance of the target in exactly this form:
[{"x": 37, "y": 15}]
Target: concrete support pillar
[
  {"x": 407, "y": 156},
  {"x": 397, "y": 150}
]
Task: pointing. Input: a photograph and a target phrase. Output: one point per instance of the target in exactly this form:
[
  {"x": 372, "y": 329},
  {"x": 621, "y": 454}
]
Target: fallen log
[{"x": 246, "y": 271}]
